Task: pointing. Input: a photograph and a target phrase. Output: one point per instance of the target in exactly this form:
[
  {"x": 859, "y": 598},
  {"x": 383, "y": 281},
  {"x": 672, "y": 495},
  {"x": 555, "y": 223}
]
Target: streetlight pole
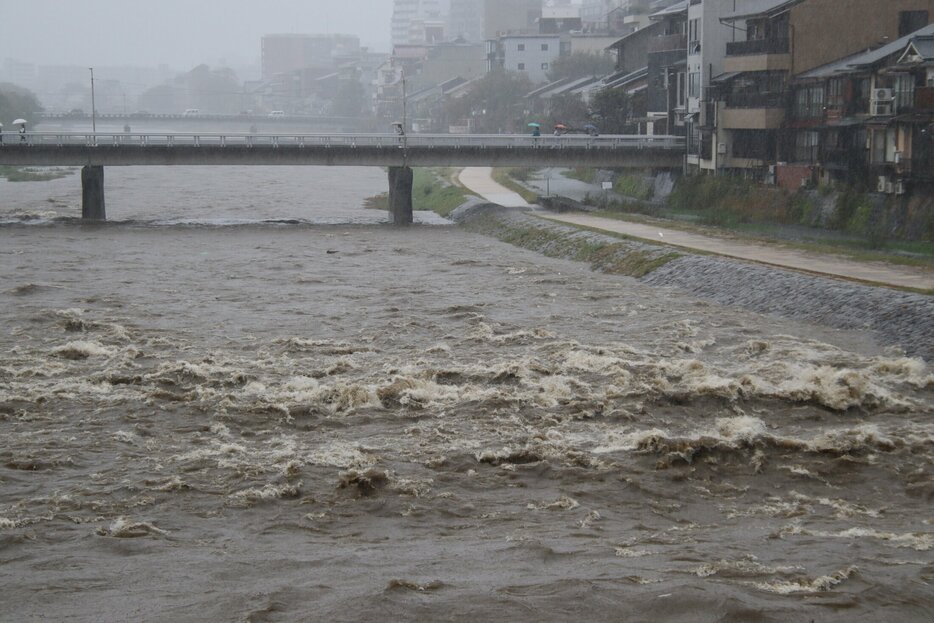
[
  {"x": 404, "y": 122},
  {"x": 93, "y": 106}
]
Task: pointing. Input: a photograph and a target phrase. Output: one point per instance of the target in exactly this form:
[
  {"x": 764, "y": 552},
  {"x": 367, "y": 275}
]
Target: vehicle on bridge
[{"x": 191, "y": 112}]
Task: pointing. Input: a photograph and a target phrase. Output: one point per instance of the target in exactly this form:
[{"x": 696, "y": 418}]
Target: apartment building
[
  {"x": 531, "y": 55},
  {"x": 418, "y": 21},
  {"x": 707, "y": 39},
  {"x": 284, "y": 53},
  {"x": 477, "y": 21},
  {"x": 781, "y": 39},
  {"x": 666, "y": 95},
  {"x": 868, "y": 116}
]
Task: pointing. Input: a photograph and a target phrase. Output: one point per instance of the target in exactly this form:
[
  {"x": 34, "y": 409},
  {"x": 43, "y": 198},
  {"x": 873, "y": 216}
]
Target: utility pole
[{"x": 93, "y": 107}]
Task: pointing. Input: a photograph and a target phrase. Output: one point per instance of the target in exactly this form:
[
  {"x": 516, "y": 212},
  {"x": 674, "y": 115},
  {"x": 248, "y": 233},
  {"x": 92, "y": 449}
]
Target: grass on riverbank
[
  {"x": 904, "y": 253},
  {"x": 33, "y": 174},
  {"x": 730, "y": 208},
  {"x": 634, "y": 259},
  {"x": 433, "y": 189}
]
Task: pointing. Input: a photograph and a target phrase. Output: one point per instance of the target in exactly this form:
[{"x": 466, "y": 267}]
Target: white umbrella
[{"x": 20, "y": 122}]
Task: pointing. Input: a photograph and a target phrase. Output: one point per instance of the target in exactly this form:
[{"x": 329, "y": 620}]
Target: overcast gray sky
[{"x": 179, "y": 33}]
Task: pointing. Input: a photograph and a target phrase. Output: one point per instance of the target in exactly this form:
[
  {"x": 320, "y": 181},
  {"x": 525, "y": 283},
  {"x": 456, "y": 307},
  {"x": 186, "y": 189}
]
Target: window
[
  {"x": 521, "y": 47},
  {"x": 694, "y": 30},
  {"x": 694, "y": 84},
  {"x": 544, "y": 47},
  {"x": 521, "y": 66},
  {"x": 809, "y": 102},
  {"x": 910, "y": 21},
  {"x": 835, "y": 93},
  {"x": 806, "y": 146},
  {"x": 753, "y": 144},
  {"x": 545, "y": 66},
  {"x": 904, "y": 92}
]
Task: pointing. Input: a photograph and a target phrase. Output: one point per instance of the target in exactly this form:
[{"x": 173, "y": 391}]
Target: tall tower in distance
[{"x": 418, "y": 21}]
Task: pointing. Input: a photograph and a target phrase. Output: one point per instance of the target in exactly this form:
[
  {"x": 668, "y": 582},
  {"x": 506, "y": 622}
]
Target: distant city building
[
  {"x": 418, "y": 21},
  {"x": 291, "y": 52},
  {"x": 476, "y": 21},
  {"x": 619, "y": 16},
  {"x": 558, "y": 19},
  {"x": 531, "y": 55}
]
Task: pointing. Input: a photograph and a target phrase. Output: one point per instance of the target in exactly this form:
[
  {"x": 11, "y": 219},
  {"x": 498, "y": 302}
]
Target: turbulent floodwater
[{"x": 243, "y": 420}]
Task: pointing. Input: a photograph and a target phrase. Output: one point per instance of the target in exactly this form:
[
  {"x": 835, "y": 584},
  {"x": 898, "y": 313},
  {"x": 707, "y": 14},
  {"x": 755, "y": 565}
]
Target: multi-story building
[
  {"x": 418, "y": 21},
  {"x": 531, "y": 55},
  {"x": 707, "y": 39},
  {"x": 868, "y": 116},
  {"x": 619, "y": 17},
  {"x": 560, "y": 19},
  {"x": 781, "y": 39},
  {"x": 286, "y": 53},
  {"x": 667, "y": 77},
  {"x": 477, "y": 21}
]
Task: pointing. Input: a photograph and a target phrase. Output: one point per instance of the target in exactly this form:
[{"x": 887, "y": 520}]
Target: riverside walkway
[{"x": 479, "y": 180}]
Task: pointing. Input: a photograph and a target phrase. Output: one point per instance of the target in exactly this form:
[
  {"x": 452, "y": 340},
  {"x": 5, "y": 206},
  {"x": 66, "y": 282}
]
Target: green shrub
[{"x": 633, "y": 186}]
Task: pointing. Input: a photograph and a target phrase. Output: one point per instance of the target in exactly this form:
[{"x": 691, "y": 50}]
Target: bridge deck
[{"x": 124, "y": 149}]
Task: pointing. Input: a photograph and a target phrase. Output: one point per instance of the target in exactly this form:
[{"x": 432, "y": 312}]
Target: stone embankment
[{"x": 896, "y": 318}]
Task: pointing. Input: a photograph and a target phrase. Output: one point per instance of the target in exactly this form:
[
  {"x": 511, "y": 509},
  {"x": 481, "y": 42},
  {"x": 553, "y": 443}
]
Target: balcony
[
  {"x": 755, "y": 100},
  {"x": 758, "y": 55},
  {"x": 757, "y": 46},
  {"x": 668, "y": 43},
  {"x": 752, "y": 118}
]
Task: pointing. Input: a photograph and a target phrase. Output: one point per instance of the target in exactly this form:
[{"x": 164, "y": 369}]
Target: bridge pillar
[
  {"x": 400, "y": 195},
  {"x": 92, "y": 193}
]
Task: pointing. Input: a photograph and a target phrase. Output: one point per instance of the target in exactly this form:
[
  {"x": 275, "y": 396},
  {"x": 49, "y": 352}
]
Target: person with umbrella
[
  {"x": 1, "y": 134},
  {"x": 560, "y": 129},
  {"x": 22, "y": 129},
  {"x": 536, "y": 131}
]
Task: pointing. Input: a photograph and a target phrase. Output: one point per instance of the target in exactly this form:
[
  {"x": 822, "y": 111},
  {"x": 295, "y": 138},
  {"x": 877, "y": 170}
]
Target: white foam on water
[
  {"x": 126, "y": 528},
  {"x": 269, "y": 492},
  {"x": 343, "y": 454},
  {"x": 920, "y": 541},
  {"x": 83, "y": 349},
  {"x": 806, "y": 584},
  {"x": 745, "y": 567},
  {"x": 562, "y": 503}
]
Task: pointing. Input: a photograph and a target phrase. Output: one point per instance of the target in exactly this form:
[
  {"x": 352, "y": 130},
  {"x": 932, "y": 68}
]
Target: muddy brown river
[{"x": 248, "y": 399}]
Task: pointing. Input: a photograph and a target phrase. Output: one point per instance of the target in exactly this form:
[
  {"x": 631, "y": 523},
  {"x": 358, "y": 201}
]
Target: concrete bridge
[
  {"x": 399, "y": 153},
  {"x": 200, "y": 122}
]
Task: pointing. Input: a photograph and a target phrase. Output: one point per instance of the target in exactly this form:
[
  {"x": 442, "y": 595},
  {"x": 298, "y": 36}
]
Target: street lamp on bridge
[{"x": 93, "y": 106}]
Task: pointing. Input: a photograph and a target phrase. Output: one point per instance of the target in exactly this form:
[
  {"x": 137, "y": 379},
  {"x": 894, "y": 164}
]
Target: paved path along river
[{"x": 478, "y": 180}]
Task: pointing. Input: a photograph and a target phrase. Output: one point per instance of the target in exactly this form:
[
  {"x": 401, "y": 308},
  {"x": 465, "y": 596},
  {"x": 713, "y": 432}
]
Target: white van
[
  {"x": 277, "y": 113},
  {"x": 191, "y": 112}
]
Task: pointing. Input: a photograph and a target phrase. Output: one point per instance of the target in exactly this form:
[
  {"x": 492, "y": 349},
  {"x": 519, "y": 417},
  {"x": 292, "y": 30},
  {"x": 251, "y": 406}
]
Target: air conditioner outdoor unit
[
  {"x": 889, "y": 187},
  {"x": 898, "y": 157},
  {"x": 880, "y": 186},
  {"x": 721, "y": 148},
  {"x": 882, "y": 95},
  {"x": 900, "y": 187}
]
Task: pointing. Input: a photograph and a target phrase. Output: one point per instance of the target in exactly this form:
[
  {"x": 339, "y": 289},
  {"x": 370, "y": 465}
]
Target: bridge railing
[{"x": 419, "y": 141}]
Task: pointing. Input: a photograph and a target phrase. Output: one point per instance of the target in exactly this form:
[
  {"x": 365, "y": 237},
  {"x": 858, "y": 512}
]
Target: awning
[
  {"x": 725, "y": 77},
  {"x": 916, "y": 119},
  {"x": 846, "y": 122}
]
